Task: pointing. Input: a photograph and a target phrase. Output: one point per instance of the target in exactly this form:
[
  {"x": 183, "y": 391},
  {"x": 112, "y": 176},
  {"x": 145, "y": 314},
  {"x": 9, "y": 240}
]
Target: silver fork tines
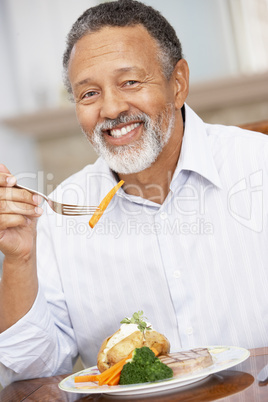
[
  {"x": 63, "y": 209},
  {"x": 77, "y": 210}
]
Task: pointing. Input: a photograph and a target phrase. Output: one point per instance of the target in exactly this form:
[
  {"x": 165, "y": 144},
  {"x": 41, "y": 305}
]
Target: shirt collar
[{"x": 196, "y": 154}]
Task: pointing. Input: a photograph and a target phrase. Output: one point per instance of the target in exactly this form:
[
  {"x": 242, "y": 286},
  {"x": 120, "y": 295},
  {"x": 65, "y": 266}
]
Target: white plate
[{"x": 224, "y": 357}]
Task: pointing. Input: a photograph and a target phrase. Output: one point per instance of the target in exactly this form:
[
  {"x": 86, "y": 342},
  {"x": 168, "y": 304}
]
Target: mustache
[{"x": 109, "y": 124}]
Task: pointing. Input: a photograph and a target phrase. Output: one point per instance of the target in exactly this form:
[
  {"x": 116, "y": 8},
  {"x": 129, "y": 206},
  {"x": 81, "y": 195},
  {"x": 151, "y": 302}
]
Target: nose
[{"x": 112, "y": 104}]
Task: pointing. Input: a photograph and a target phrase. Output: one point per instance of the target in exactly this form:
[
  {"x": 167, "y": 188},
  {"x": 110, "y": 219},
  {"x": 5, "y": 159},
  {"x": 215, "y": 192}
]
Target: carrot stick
[
  {"x": 104, "y": 204},
  {"x": 155, "y": 351},
  {"x": 115, "y": 379},
  {"x": 86, "y": 378},
  {"x": 104, "y": 377},
  {"x": 115, "y": 369},
  {"x": 113, "y": 375}
]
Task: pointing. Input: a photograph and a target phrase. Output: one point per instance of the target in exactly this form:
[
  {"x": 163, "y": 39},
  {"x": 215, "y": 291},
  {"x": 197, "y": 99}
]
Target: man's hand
[
  {"x": 18, "y": 212},
  {"x": 18, "y": 215}
]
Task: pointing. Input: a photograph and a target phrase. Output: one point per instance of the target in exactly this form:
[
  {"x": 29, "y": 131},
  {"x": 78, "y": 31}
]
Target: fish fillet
[{"x": 187, "y": 361}]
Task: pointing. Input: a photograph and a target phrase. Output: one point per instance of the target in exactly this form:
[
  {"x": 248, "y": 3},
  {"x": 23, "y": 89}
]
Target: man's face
[{"x": 124, "y": 103}]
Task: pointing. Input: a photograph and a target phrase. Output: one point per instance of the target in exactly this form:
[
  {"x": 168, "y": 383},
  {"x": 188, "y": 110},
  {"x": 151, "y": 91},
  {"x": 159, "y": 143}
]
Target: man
[{"x": 185, "y": 240}]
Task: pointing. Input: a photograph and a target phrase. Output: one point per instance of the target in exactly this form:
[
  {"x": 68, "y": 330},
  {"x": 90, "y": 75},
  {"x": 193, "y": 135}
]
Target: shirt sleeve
[
  {"x": 42, "y": 343},
  {"x": 34, "y": 347}
]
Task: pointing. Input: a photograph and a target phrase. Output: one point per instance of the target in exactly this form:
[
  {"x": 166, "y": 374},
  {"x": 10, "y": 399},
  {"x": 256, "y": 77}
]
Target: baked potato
[{"x": 115, "y": 348}]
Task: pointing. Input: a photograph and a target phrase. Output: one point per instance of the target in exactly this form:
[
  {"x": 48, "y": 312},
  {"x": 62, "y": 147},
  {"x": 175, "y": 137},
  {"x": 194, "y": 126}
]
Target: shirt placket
[{"x": 169, "y": 234}]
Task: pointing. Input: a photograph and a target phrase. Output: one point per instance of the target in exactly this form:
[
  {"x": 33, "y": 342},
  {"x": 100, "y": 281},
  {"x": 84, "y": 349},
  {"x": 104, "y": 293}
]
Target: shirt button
[
  {"x": 163, "y": 215},
  {"x": 177, "y": 274},
  {"x": 189, "y": 331}
]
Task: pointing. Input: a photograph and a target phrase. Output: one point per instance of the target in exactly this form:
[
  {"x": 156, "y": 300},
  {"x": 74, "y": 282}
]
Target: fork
[{"x": 63, "y": 209}]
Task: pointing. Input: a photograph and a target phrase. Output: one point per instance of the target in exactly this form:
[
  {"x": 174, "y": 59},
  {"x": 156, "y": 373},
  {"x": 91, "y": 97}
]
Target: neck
[{"x": 153, "y": 183}]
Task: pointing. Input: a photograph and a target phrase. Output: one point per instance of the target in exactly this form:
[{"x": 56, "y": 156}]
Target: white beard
[{"x": 140, "y": 155}]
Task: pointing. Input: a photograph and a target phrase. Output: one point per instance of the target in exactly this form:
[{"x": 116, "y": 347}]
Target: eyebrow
[
  {"x": 118, "y": 70},
  {"x": 85, "y": 81}
]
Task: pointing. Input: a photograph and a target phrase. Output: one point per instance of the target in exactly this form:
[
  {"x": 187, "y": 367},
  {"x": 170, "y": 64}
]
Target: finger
[
  {"x": 11, "y": 221},
  {"x": 20, "y": 208},
  {"x": 20, "y": 195},
  {"x": 7, "y": 180},
  {"x": 4, "y": 169}
]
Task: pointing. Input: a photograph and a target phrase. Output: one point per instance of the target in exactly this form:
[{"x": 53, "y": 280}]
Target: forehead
[{"x": 112, "y": 46}]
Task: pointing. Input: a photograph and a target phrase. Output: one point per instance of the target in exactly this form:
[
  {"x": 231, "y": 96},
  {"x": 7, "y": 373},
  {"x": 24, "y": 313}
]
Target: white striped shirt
[{"x": 196, "y": 265}]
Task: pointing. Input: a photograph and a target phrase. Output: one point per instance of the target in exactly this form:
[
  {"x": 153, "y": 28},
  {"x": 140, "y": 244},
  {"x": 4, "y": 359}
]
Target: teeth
[{"x": 123, "y": 131}]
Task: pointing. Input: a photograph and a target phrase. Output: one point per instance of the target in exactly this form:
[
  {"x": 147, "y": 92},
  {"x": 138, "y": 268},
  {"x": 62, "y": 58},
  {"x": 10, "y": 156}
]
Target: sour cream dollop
[{"x": 124, "y": 331}]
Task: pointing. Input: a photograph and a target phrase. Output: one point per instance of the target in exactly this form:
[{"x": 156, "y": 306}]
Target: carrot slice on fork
[{"x": 104, "y": 204}]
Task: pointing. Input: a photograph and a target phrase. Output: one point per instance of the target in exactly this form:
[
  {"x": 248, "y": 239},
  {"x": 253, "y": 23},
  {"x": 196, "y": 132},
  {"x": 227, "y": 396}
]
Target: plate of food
[{"x": 137, "y": 360}]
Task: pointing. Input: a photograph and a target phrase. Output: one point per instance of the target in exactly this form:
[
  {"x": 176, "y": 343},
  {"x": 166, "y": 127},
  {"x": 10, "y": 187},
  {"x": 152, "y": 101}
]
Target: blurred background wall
[{"x": 225, "y": 43}]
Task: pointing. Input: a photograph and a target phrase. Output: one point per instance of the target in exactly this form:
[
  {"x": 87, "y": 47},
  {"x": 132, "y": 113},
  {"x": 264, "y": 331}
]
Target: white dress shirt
[{"x": 196, "y": 265}]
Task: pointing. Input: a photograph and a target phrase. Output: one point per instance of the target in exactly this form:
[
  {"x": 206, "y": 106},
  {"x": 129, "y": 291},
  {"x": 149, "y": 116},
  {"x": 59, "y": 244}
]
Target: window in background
[
  {"x": 250, "y": 24},
  {"x": 205, "y": 31}
]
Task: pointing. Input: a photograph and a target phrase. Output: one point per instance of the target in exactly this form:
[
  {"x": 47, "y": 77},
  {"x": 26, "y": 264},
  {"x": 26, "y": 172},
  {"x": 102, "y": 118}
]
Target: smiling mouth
[{"x": 120, "y": 132}]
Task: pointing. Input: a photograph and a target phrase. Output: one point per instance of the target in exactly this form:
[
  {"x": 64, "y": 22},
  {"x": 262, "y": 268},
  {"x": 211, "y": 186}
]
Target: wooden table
[{"x": 234, "y": 385}]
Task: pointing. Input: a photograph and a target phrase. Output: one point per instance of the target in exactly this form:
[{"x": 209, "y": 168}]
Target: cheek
[
  {"x": 155, "y": 102},
  {"x": 87, "y": 117}
]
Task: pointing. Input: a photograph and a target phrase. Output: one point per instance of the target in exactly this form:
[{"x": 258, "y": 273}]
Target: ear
[{"x": 181, "y": 82}]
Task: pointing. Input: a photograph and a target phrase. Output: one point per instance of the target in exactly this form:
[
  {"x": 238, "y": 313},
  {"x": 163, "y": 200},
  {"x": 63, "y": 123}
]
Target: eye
[
  {"x": 87, "y": 97},
  {"x": 89, "y": 94},
  {"x": 130, "y": 83}
]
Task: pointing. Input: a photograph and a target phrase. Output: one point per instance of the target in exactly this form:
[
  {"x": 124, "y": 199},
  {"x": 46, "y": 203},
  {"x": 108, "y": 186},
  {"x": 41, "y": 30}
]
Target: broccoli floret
[
  {"x": 144, "y": 367},
  {"x": 158, "y": 371},
  {"x": 132, "y": 373},
  {"x": 143, "y": 356}
]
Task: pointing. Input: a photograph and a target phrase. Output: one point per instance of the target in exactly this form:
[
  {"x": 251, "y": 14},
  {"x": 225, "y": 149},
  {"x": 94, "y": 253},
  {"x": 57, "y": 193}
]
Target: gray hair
[{"x": 123, "y": 13}]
